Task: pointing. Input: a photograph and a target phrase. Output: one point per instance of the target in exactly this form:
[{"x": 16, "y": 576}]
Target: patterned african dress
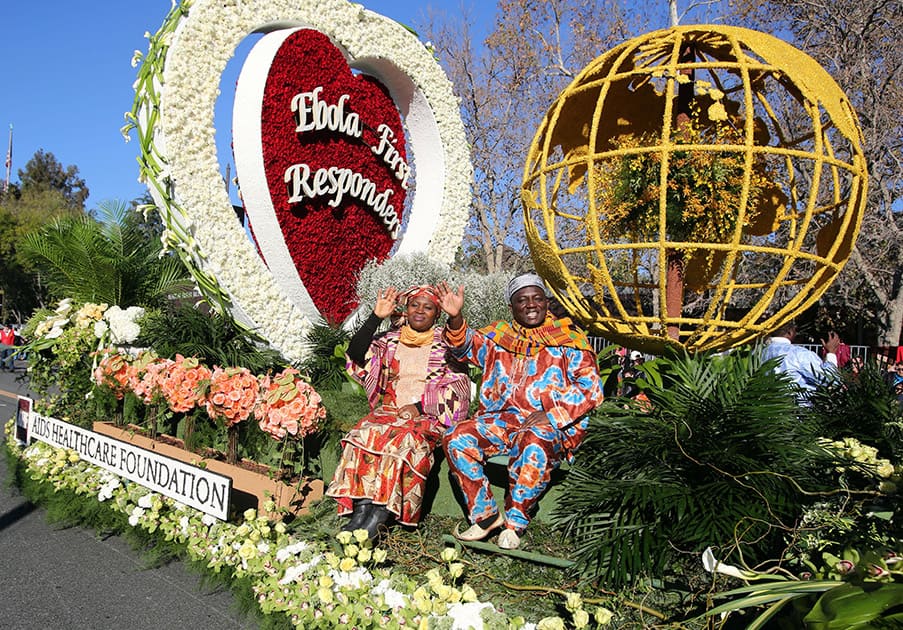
[
  {"x": 562, "y": 380},
  {"x": 386, "y": 458}
]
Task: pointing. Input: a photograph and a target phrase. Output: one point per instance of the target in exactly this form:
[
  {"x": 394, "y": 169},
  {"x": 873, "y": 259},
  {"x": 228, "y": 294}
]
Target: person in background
[
  {"x": 7, "y": 347},
  {"x": 804, "y": 367},
  {"x": 894, "y": 378},
  {"x": 415, "y": 394},
  {"x": 540, "y": 380},
  {"x": 631, "y": 372}
]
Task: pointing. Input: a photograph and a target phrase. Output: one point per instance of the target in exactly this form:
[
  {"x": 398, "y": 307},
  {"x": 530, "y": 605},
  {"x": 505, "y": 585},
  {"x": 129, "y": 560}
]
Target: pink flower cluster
[
  {"x": 288, "y": 405},
  {"x": 232, "y": 395},
  {"x": 151, "y": 372},
  {"x": 181, "y": 381},
  {"x": 283, "y": 404},
  {"x": 115, "y": 372}
]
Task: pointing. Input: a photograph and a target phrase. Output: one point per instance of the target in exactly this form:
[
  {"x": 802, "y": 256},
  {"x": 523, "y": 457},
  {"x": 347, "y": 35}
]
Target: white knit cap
[{"x": 524, "y": 280}]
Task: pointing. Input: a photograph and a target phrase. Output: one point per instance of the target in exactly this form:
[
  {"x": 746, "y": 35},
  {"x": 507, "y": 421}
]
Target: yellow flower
[
  {"x": 885, "y": 469},
  {"x": 681, "y": 78},
  {"x": 603, "y": 616},
  {"x": 433, "y": 577},
  {"x": 455, "y": 570},
  {"x": 449, "y": 554},
  {"x": 581, "y": 618},
  {"x": 361, "y": 535},
  {"x": 247, "y": 550},
  {"x": 468, "y": 594},
  {"x": 443, "y": 591},
  {"x": 551, "y": 623},
  {"x": 325, "y": 581},
  {"x": 364, "y": 555},
  {"x": 347, "y": 564},
  {"x": 716, "y": 111},
  {"x": 351, "y": 551},
  {"x": 325, "y": 595},
  {"x": 250, "y": 514},
  {"x": 379, "y": 556},
  {"x": 343, "y": 537},
  {"x": 574, "y": 602}
]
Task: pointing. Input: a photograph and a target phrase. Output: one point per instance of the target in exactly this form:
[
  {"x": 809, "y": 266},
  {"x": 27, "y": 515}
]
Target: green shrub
[
  {"x": 208, "y": 336},
  {"x": 721, "y": 459}
]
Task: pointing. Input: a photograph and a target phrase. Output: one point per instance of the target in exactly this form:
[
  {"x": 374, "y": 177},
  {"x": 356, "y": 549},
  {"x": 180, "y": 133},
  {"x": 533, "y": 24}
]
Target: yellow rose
[
  {"x": 581, "y": 618},
  {"x": 449, "y": 554},
  {"x": 343, "y": 537},
  {"x": 325, "y": 595},
  {"x": 247, "y": 550},
  {"x": 552, "y": 623},
  {"x": 603, "y": 616},
  {"x": 574, "y": 602}
]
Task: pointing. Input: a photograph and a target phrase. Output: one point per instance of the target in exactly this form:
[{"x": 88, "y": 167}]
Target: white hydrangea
[{"x": 123, "y": 326}]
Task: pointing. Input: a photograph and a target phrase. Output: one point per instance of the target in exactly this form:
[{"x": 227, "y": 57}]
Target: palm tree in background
[{"x": 116, "y": 259}]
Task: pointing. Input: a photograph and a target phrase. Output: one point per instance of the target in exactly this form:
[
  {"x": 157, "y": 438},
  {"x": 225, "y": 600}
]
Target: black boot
[
  {"x": 359, "y": 514},
  {"x": 377, "y": 522}
]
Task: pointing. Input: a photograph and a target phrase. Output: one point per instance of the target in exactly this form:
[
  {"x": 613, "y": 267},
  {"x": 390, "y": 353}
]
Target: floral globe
[{"x": 694, "y": 187}]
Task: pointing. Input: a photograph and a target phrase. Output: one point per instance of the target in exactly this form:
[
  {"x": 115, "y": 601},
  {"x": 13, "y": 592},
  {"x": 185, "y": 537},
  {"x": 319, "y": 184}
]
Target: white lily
[{"x": 711, "y": 564}]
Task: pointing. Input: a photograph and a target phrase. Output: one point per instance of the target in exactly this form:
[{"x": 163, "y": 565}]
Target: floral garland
[
  {"x": 312, "y": 585},
  {"x": 176, "y": 91}
]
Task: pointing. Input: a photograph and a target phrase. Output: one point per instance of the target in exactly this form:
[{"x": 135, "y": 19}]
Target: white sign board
[{"x": 199, "y": 488}]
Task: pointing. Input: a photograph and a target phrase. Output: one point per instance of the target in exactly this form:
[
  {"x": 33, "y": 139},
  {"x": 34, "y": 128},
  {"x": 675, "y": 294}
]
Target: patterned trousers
[{"x": 533, "y": 453}]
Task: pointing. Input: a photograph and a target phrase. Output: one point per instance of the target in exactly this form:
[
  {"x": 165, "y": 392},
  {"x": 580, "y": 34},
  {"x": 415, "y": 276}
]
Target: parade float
[{"x": 349, "y": 148}]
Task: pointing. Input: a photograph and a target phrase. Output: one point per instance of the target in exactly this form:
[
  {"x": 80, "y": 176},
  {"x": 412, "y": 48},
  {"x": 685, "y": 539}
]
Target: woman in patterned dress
[{"x": 415, "y": 394}]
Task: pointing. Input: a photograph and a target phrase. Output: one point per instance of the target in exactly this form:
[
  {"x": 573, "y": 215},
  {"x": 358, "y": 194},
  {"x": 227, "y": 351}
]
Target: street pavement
[{"x": 73, "y": 578}]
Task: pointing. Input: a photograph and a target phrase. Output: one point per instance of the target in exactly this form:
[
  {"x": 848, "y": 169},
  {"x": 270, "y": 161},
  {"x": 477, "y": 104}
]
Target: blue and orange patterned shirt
[{"x": 561, "y": 380}]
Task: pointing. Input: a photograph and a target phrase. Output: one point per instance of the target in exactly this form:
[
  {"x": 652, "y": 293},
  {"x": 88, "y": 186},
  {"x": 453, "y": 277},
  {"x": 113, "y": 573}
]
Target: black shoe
[
  {"x": 359, "y": 514},
  {"x": 378, "y": 521}
]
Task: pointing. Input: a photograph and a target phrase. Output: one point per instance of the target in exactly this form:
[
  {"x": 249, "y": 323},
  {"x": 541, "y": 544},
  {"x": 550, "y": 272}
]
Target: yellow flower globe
[{"x": 694, "y": 187}]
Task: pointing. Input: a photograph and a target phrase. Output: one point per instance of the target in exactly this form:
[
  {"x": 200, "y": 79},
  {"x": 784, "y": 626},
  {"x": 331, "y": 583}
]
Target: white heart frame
[{"x": 176, "y": 92}]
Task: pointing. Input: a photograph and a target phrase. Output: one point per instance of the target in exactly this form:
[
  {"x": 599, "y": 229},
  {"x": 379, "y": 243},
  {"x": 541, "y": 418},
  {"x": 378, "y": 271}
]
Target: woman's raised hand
[
  {"x": 451, "y": 300},
  {"x": 385, "y": 302}
]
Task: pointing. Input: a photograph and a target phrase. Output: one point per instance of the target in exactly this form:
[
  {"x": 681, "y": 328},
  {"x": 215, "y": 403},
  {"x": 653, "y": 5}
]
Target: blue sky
[{"x": 67, "y": 81}]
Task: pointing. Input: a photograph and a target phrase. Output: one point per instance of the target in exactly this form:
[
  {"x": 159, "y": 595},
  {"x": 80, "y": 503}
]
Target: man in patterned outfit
[{"x": 540, "y": 379}]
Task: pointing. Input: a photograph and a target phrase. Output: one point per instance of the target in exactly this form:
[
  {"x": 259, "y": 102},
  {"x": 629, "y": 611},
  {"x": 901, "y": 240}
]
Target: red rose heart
[{"x": 337, "y": 201}]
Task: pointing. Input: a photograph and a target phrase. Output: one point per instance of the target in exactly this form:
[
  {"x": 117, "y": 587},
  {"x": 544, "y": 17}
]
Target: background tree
[
  {"x": 45, "y": 190},
  {"x": 43, "y": 173},
  {"x": 857, "y": 42},
  {"x": 506, "y": 82}
]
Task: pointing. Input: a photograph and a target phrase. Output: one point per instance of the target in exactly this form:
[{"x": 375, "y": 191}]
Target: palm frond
[{"x": 720, "y": 460}]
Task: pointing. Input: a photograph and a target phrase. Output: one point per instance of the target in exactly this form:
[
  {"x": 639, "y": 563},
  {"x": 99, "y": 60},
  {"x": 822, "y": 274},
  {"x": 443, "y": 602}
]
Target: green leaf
[{"x": 850, "y": 605}]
